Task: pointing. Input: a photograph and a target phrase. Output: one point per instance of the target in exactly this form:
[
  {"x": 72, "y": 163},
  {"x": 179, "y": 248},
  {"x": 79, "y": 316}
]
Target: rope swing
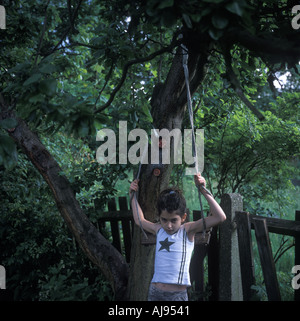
[
  {"x": 191, "y": 117},
  {"x": 205, "y": 234}
]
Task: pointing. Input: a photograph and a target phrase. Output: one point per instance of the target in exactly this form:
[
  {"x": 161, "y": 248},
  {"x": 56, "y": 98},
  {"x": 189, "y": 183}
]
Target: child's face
[{"x": 171, "y": 222}]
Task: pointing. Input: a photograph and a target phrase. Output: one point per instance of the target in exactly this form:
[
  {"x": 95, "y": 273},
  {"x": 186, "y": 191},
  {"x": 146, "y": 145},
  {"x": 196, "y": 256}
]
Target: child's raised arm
[
  {"x": 138, "y": 214},
  {"x": 217, "y": 214}
]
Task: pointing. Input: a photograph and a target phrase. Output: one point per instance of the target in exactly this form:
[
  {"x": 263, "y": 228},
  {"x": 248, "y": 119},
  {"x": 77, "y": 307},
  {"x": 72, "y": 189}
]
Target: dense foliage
[{"x": 40, "y": 255}]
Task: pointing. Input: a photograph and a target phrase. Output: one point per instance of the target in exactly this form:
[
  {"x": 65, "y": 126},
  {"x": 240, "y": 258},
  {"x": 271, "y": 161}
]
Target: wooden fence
[
  {"x": 262, "y": 227},
  {"x": 229, "y": 253},
  {"x": 116, "y": 218},
  {"x": 236, "y": 276}
]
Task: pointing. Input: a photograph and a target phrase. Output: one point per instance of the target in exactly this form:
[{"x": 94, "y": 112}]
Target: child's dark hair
[{"x": 171, "y": 200}]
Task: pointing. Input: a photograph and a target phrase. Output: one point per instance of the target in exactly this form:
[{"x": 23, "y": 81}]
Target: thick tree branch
[
  {"x": 70, "y": 28},
  {"x": 106, "y": 82},
  {"x": 237, "y": 86},
  {"x": 99, "y": 250},
  {"x": 198, "y": 71},
  {"x": 131, "y": 63},
  {"x": 43, "y": 34},
  {"x": 282, "y": 50}
]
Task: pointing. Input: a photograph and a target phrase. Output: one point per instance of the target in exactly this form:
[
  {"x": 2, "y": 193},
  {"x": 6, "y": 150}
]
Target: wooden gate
[{"x": 262, "y": 226}]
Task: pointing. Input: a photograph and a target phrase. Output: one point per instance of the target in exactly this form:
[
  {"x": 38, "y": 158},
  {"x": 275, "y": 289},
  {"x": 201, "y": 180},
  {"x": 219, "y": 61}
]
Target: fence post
[
  {"x": 230, "y": 285},
  {"x": 266, "y": 259},
  {"x": 246, "y": 254}
]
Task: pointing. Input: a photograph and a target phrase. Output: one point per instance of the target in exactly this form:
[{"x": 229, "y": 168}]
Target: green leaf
[
  {"x": 187, "y": 20},
  {"x": 147, "y": 113},
  {"x": 48, "y": 86},
  {"x": 47, "y": 69},
  {"x": 215, "y": 34},
  {"x": 165, "y": 4},
  {"x": 234, "y": 7},
  {"x": 151, "y": 12},
  {"x": 83, "y": 129},
  {"x": 7, "y": 144},
  {"x": 36, "y": 98},
  {"x": 20, "y": 67},
  {"x": 168, "y": 19},
  {"x": 8, "y": 151},
  {"x": 8, "y": 123},
  {"x": 198, "y": 16},
  {"x": 219, "y": 22},
  {"x": 31, "y": 80}
]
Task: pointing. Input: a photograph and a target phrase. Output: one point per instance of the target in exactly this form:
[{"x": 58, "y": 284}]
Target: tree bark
[
  {"x": 168, "y": 106},
  {"x": 94, "y": 245}
]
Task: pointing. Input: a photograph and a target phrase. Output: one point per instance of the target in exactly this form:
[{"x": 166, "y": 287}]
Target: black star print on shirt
[{"x": 165, "y": 245}]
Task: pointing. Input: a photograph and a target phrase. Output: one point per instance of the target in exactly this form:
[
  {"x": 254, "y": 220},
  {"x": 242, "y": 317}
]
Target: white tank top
[{"x": 172, "y": 257}]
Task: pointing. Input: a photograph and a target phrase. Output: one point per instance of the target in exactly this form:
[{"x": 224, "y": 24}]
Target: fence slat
[
  {"x": 246, "y": 253},
  {"x": 213, "y": 264},
  {"x": 115, "y": 232},
  {"x": 197, "y": 263},
  {"x": 279, "y": 225},
  {"x": 266, "y": 259},
  {"x": 127, "y": 234}
]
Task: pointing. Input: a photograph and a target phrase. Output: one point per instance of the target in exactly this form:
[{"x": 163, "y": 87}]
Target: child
[{"x": 174, "y": 241}]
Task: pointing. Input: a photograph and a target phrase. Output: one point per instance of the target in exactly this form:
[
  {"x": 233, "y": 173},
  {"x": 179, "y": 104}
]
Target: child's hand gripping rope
[
  {"x": 134, "y": 187},
  {"x": 200, "y": 182}
]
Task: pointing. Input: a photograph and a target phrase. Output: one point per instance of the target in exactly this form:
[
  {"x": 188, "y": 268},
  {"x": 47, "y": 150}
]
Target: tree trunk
[
  {"x": 168, "y": 106},
  {"x": 94, "y": 245}
]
